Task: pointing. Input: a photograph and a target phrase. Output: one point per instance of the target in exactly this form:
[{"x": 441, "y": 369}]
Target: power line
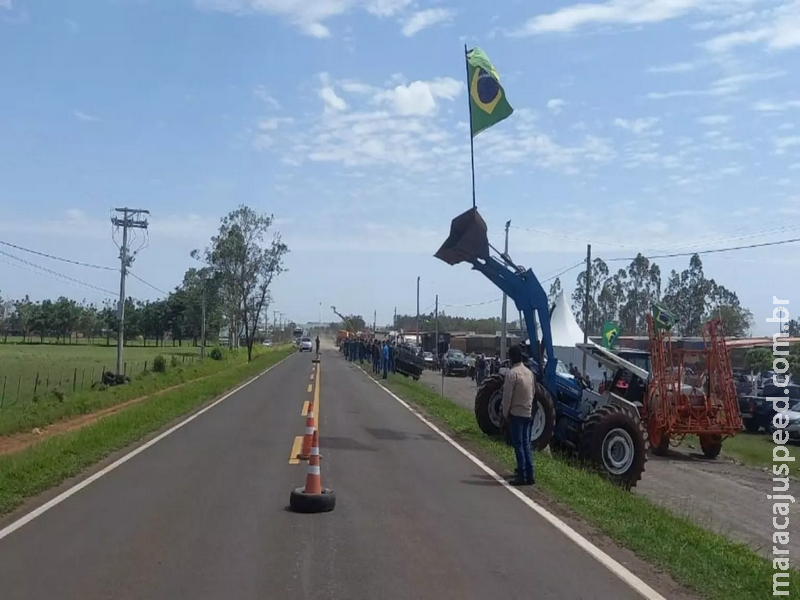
[
  {"x": 66, "y": 260},
  {"x": 56, "y": 273},
  {"x": 567, "y": 270},
  {"x": 716, "y": 250},
  {"x": 135, "y": 276}
]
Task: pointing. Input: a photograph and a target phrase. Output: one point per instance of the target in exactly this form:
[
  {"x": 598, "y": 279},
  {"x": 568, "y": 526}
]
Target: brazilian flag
[
  {"x": 662, "y": 318},
  {"x": 610, "y": 334},
  {"x": 488, "y": 104}
]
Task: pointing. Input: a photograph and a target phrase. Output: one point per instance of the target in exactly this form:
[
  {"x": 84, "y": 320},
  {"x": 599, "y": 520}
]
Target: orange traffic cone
[
  {"x": 313, "y": 475},
  {"x": 312, "y": 498},
  {"x": 308, "y": 438}
]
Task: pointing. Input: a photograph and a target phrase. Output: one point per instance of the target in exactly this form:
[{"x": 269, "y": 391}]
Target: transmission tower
[{"x": 131, "y": 220}]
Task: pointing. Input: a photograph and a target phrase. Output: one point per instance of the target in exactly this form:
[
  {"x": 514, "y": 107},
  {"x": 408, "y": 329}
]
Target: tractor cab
[{"x": 628, "y": 384}]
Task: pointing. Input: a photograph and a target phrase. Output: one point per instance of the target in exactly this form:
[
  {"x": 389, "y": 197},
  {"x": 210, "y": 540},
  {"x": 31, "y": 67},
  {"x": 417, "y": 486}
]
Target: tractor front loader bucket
[{"x": 467, "y": 241}]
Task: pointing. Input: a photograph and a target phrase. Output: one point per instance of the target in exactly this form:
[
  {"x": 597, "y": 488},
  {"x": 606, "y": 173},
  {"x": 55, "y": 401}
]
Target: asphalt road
[{"x": 203, "y": 513}]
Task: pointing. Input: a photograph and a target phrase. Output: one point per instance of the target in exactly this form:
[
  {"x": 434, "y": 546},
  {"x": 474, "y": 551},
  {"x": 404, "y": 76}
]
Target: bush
[
  {"x": 160, "y": 364},
  {"x": 216, "y": 353},
  {"x": 174, "y": 362}
]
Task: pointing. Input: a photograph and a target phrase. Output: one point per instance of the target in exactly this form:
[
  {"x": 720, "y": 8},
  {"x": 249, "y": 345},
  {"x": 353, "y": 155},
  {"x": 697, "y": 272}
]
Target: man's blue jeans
[{"x": 521, "y": 430}]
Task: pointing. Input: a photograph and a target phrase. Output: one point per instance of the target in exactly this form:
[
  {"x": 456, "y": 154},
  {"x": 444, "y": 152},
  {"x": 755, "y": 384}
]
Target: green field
[{"x": 66, "y": 374}]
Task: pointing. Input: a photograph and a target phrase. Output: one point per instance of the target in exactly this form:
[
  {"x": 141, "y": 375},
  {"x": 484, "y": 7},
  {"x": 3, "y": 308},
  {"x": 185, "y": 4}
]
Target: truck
[
  {"x": 604, "y": 430},
  {"x": 757, "y": 411}
]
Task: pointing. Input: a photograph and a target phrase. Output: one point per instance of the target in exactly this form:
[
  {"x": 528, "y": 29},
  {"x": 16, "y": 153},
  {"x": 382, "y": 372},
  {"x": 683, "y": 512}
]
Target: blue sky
[{"x": 640, "y": 125}]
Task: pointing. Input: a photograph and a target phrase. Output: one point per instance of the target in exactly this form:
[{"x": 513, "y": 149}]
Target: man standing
[
  {"x": 385, "y": 353},
  {"x": 317, "y": 341},
  {"x": 518, "y": 392}
]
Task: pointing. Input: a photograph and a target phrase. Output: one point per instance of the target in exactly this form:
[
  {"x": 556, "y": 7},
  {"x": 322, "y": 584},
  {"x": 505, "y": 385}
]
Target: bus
[{"x": 297, "y": 334}]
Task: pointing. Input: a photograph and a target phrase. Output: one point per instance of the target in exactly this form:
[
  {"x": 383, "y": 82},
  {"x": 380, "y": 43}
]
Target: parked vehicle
[
  {"x": 757, "y": 410},
  {"x": 455, "y": 363},
  {"x": 305, "y": 344}
]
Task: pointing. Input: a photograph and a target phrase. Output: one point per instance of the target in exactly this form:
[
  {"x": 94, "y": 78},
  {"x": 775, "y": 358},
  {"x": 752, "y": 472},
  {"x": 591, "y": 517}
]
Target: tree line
[
  {"x": 238, "y": 268},
  {"x": 626, "y": 298}
]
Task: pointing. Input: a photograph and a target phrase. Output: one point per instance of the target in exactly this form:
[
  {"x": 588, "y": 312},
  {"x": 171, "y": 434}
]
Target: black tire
[
  {"x": 751, "y": 425},
  {"x": 711, "y": 445},
  {"x": 483, "y": 405},
  {"x": 300, "y": 502},
  {"x": 595, "y": 444},
  {"x": 490, "y": 422}
]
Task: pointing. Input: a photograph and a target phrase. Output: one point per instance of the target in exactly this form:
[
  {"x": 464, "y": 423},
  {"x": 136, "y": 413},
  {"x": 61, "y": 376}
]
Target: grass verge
[
  {"x": 754, "y": 449},
  {"x": 49, "y": 408},
  {"x": 705, "y": 562},
  {"x": 45, "y": 465}
]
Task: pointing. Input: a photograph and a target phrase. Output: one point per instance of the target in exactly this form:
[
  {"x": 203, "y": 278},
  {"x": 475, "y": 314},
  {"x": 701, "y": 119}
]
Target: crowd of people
[{"x": 382, "y": 353}]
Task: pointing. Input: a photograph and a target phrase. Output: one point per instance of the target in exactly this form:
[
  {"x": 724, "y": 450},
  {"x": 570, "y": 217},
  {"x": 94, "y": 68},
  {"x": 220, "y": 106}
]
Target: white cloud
[
  {"x": 419, "y": 97},
  {"x": 624, "y": 12},
  {"x": 774, "y": 107},
  {"x": 426, "y": 18},
  {"x": 273, "y": 123},
  {"x": 309, "y": 16},
  {"x": 714, "y": 119},
  {"x": 683, "y": 67},
  {"x": 782, "y": 144},
  {"x": 556, "y": 105},
  {"x": 386, "y": 8},
  {"x": 636, "y": 126},
  {"x": 6, "y": 4},
  {"x": 332, "y": 101},
  {"x": 777, "y": 28},
  {"x": 724, "y": 86},
  {"x": 262, "y": 94},
  {"x": 82, "y": 116}
]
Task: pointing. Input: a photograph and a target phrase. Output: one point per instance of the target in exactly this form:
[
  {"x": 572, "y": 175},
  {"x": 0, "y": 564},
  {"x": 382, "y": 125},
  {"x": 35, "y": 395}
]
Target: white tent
[{"x": 566, "y": 333}]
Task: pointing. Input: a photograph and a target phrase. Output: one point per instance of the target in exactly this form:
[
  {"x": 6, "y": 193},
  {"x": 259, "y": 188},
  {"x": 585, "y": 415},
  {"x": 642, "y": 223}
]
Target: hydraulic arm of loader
[
  {"x": 469, "y": 243},
  {"x": 347, "y": 322}
]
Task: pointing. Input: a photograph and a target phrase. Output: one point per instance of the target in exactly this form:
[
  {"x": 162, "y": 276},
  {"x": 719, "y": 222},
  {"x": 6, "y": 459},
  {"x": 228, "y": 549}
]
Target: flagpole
[{"x": 471, "y": 139}]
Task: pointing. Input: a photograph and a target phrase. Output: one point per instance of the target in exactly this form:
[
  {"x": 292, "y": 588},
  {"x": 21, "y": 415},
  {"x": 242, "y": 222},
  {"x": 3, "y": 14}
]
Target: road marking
[
  {"x": 297, "y": 446},
  {"x": 305, "y": 409},
  {"x": 22, "y": 521},
  {"x": 316, "y": 404},
  {"x": 311, "y": 376},
  {"x": 604, "y": 559},
  {"x": 309, "y": 387}
]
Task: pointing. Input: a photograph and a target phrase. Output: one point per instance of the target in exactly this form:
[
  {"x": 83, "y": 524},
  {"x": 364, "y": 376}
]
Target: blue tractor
[{"x": 604, "y": 430}]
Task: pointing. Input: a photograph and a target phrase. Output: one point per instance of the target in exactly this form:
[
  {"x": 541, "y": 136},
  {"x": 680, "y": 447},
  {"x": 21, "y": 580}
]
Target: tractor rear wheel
[
  {"x": 616, "y": 443},
  {"x": 488, "y": 402},
  {"x": 711, "y": 445},
  {"x": 489, "y": 412},
  {"x": 659, "y": 441}
]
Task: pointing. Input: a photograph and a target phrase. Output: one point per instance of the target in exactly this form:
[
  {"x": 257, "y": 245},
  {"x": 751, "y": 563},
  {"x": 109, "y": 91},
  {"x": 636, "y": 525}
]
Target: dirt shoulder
[{"x": 719, "y": 495}]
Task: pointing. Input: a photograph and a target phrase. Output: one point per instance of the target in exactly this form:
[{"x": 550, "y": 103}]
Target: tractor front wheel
[
  {"x": 711, "y": 445},
  {"x": 615, "y": 443},
  {"x": 488, "y": 405}
]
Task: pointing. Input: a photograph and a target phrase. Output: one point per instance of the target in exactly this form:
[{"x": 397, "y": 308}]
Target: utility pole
[
  {"x": 374, "y": 322},
  {"x": 203, "y": 326},
  {"x": 394, "y": 323},
  {"x": 504, "y": 330},
  {"x": 587, "y": 300},
  {"x": 436, "y": 317},
  {"x": 132, "y": 218},
  {"x": 418, "y": 309}
]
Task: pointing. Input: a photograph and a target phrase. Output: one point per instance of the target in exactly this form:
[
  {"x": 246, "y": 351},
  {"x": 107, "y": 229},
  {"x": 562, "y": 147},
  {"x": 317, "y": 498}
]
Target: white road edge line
[
  {"x": 24, "y": 520},
  {"x": 607, "y": 561}
]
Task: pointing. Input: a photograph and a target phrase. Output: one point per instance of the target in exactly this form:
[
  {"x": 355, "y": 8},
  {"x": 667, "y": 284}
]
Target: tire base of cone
[
  {"x": 300, "y": 502},
  {"x": 302, "y": 456}
]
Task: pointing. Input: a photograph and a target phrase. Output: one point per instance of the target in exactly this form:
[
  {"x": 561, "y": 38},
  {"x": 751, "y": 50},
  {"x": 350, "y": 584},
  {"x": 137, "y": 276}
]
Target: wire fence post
[
  {"x": 83, "y": 377},
  {"x": 74, "y": 379},
  {"x": 19, "y": 385},
  {"x": 3, "y": 397},
  {"x": 36, "y": 384}
]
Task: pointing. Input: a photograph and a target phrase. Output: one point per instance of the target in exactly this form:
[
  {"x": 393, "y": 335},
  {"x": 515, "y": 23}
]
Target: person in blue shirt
[{"x": 385, "y": 353}]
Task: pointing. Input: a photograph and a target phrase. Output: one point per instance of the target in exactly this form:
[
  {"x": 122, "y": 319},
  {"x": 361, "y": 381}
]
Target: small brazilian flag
[
  {"x": 488, "y": 104},
  {"x": 610, "y": 334},
  {"x": 662, "y": 318}
]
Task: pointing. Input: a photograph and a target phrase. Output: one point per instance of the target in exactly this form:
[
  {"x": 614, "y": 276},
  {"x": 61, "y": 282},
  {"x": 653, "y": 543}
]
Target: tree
[
  {"x": 599, "y": 275},
  {"x": 245, "y": 269},
  {"x": 758, "y": 359},
  {"x": 555, "y": 290}
]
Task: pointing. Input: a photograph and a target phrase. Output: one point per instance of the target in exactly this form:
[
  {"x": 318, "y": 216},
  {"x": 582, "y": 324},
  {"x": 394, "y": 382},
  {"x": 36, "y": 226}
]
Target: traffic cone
[
  {"x": 312, "y": 497},
  {"x": 313, "y": 476},
  {"x": 311, "y": 430}
]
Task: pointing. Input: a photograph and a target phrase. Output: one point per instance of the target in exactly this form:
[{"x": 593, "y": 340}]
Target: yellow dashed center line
[
  {"x": 305, "y": 406},
  {"x": 309, "y": 388},
  {"x": 296, "y": 447}
]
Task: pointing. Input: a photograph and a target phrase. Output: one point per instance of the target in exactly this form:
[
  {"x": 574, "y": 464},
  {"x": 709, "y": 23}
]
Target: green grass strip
[
  {"x": 45, "y": 465},
  {"x": 705, "y": 562}
]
